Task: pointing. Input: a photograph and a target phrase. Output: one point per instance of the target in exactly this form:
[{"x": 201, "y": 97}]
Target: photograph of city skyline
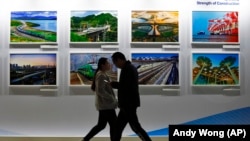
[{"x": 33, "y": 69}]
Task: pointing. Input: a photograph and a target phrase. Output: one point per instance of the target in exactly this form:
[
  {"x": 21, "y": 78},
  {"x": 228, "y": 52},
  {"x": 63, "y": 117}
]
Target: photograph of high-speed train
[
  {"x": 84, "y": 65},
  {"x": 157, "y": 68},
  {"x": 94, "y": 26}
]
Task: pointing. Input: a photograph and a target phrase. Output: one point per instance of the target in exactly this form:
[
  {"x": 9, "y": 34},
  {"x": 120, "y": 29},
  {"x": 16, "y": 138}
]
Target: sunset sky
[
  {"x": 156, "y": 16},
  {"x": 33, "y": 59}
]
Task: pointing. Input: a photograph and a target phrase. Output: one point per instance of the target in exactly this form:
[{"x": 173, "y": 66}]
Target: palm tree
[
  {"x": 228, "y": 62},
  {"x": 203, "y": 62}
]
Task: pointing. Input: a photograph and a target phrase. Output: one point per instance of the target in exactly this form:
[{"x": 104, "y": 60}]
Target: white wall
[{"x": 71, "y": 112}]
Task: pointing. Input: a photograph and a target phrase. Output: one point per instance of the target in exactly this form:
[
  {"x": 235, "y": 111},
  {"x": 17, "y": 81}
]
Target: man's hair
[{"x": 118, "y": 55}]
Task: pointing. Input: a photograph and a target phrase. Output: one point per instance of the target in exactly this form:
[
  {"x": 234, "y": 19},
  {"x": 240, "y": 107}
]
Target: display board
[{"x": 180, "y": 101}]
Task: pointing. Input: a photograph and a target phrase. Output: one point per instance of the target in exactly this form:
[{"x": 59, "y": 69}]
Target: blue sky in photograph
[
  {"x": 87, "y": 13},
  {"x": 18, "y": 14},
  {"x": 215, "y": 58},
  {"x": 200, "y": 19}
]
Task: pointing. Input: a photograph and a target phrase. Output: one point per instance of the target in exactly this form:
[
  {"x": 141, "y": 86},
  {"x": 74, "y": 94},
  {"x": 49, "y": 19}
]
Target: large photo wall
[{"x": 190, "y": 56}]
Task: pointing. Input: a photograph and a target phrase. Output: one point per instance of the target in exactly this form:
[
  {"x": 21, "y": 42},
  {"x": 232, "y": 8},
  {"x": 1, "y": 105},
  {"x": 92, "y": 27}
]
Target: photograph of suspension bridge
[
  {"x": 157, "y": 68},
  {"x": 155, "y": 26},
  {"x": 33, "y": 27},
  {"x": 93, "y": 26},
  {"x": 33, "y": 69},
  {"x": 215, "y": 26},
  {"x": 84, "y": 65},
  {"x": 215, "y": 69}
]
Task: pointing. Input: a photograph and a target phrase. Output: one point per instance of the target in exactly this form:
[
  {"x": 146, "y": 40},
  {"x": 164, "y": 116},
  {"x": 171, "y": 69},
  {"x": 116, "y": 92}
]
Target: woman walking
[{"x": 105, "y": 101}]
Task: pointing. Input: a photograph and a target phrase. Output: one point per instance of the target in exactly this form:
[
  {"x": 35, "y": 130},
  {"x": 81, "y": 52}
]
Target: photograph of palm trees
[
  {"x": 215, "y": 69},
  {"x": 33, "y": 27},
  {"x": 93, "y": 26},
  {"x": 215, "y": 26},
  {"x": 155, "y": 26},
  {"x": 84, "y": 65},
  {"x": 157, "y": 68},
  {"x": 33, "y": 69}
]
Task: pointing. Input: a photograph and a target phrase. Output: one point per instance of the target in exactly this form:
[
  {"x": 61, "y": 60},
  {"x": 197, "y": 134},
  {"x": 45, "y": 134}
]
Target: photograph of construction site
[
  {"x": 93, "y": 26},
  {"x": 84, "y": 65},
  {"x": 33, "y": 27},
  {"x": 155, "y": 26},
  {"x": 33, "y": 69},
  {"x": 157, "y": 68},
  {"x": 215, "y": 26},
  {"x": 215, "y": 69}
]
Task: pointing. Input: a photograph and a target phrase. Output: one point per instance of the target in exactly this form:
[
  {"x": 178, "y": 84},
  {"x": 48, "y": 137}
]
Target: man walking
[{"x": 128, "y": 98}]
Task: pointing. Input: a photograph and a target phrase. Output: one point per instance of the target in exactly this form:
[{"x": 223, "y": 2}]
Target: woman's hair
[{"x": 101, "y": 62}]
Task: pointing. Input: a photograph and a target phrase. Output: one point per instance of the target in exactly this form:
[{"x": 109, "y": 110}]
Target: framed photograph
[
  {"x": 155, "y": 26},
  {"x": 33, "y": 69},
  {"x": 93, "y": 26},
  {"x": 33, "y": 27},
  {"x": 215, "y": 27},
  {"x": 157, "y": 68},
  {"x": 215, "y": 69},
  {"x": 84, "y": 65}
]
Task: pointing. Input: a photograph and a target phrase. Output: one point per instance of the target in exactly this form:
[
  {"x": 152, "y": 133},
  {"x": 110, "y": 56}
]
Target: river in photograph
[
  {"x": 215, "y": 38},
  {"x": 48, "y": 25}
]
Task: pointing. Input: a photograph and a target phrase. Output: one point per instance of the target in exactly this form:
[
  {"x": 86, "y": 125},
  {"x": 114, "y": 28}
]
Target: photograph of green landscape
[
  {"x": 155, "y": 26},
  {"x": 215, "y": 69},
  {"x": 33, "y": 27},
  {"x": 33, "y": 69},
  {"x": 93, "y": 26}
]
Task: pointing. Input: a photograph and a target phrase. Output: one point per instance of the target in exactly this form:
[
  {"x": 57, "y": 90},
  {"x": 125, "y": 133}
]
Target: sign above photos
[{"x": 218, "y": 2}]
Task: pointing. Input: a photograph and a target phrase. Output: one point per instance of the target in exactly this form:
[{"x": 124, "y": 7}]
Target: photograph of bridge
[
  {"x": 84, "y": 65},
  {"x": 215, "y": 69},
  {"x": 33, "y": 69},
  {"x": 215, "y": 26},
  {"x": 93, "y": 26},
  {"x": 155, "y": 26},
  {"x": 157, "y": 68},
  {"x": 33, "y": 27}
]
